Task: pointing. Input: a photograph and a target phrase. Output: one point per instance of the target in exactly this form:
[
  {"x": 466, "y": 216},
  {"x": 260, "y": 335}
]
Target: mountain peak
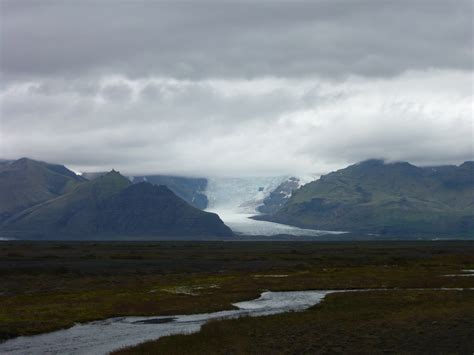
[
  {"x": 382, "y": 162},
  {"x": 371, "y": 162},
  {"x": 111, "y": 206},
  {"x": 26, "y": 182},
  {"x": 25, "y": 161},
  {"x": 384, "y": 197},
  {"x": 112, "y": 174},
  {"x": 113, "y": 179},
  {"x": 467, "y": 165}
]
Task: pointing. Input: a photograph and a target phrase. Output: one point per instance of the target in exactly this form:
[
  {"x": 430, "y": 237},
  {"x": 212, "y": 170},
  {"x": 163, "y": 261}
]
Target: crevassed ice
[{"x": 237, "y": 199}]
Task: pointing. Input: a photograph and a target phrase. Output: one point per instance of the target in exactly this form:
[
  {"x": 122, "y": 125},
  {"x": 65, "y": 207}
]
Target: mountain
[
  {"x": 191, "y": 190},
  {"x": 26, "y": 182},
  {"x": 144, "y": 208},
  {"x": 93, "y": 175},
  {"x": 73, "y": 212},
  {"x": 396, "y": 198},
  {"x": 279, "y": 196},
  {"x": 111, "y": 207}
]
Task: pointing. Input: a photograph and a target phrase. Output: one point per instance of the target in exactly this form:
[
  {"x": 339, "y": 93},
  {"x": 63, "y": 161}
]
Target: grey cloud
[
  {"x": 258, "y": 127},
  {"x": 236, "y": 88},
  {"x": 117, "y": 92},
  {"x": 233, "y": 39}
]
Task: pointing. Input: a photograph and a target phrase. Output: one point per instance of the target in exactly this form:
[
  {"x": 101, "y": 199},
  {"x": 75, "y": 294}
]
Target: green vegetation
[
  {"x": 52, "y": 285},
  {"x": 110, "y": 207},
  {"x": 26, "y": 182},
  {"x": 73, "y": 212},
  {"x": 396, "y": 199},
  {"x": 407, "y": 322},
  {"x": 189, "y": 189}
]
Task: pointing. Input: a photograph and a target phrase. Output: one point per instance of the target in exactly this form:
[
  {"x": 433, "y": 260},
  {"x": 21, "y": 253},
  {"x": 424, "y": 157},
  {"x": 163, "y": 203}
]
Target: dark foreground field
[{"x": 47, "y": 286}]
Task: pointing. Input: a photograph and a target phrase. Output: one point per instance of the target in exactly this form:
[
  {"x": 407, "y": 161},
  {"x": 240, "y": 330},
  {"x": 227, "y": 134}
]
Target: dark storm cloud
[
  {"x": 233, "y": 39},
  {"x": 235, "y": 87}
]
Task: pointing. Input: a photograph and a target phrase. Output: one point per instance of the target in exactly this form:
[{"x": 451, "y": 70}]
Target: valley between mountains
[{"x": 384, "y": 200}]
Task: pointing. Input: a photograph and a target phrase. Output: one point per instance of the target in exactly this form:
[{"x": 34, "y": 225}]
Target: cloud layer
[
  {"x": 234, "y": 39},
  {"x": 226, "y": 88}
]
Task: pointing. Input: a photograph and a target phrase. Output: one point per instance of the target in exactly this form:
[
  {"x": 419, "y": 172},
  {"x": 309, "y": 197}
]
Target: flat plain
[{"x": 52, "y": 285}]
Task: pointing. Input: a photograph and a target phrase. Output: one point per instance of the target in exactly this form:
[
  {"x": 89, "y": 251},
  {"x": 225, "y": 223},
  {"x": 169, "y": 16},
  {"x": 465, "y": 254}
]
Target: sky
[{"x": 236, "y": 88}]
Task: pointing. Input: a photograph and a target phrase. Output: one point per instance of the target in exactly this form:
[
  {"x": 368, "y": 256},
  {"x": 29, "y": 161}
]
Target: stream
[{"x": 104, "y": 336}]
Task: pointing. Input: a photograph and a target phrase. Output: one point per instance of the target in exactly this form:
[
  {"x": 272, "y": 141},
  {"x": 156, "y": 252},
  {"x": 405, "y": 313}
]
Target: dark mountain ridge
[
  {"x": 191, "y": 190},
  {"x": 26, "y": 182},
  {"x": 133, "y": 211},
  {"x": 110, "y": 206},
  {"x": 279, "y": 196},
  {"x": 393, "y": 198}
]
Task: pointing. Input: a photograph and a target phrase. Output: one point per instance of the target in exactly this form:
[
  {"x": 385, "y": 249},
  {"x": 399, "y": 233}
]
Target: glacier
[{"x": 235, "y": 200}]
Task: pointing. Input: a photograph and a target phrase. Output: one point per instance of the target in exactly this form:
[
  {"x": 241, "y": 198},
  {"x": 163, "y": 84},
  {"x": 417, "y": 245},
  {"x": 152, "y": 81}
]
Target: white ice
[{"x": 237, "y": 199}]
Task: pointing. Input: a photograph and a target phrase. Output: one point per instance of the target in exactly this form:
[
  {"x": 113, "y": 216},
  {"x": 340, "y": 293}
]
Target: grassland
[
  {"x": 393, "y": 199},
  {"x": 47, "y": 286}
]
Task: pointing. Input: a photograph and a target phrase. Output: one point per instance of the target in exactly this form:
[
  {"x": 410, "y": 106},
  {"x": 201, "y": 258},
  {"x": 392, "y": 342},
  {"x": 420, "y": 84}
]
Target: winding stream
[{"x": 104, "y": 336}]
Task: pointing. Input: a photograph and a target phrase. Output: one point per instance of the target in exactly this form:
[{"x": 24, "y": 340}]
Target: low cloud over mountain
[{"x": 236, "y": 89}]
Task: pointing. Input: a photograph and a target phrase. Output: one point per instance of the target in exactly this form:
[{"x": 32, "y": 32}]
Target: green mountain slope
[
  {"x": 189, "y": 189},
  {"x": 110, "y": 206},
  {"x": 396, "y": 198},
  {"x": 26, "y": 182}
]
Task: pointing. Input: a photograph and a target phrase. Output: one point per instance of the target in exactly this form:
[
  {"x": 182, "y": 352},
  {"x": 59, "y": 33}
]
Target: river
[{"x": 104, "y": 336}]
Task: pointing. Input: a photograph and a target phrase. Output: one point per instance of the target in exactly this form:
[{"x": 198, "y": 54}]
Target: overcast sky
[{"x": 236, "y": 87}]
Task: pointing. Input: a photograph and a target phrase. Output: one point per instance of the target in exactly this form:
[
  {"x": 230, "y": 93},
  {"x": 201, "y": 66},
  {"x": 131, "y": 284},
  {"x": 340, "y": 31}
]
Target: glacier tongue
[
  {"x": 240, "y": 195},
  {"x": 237, "y": 199}
]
